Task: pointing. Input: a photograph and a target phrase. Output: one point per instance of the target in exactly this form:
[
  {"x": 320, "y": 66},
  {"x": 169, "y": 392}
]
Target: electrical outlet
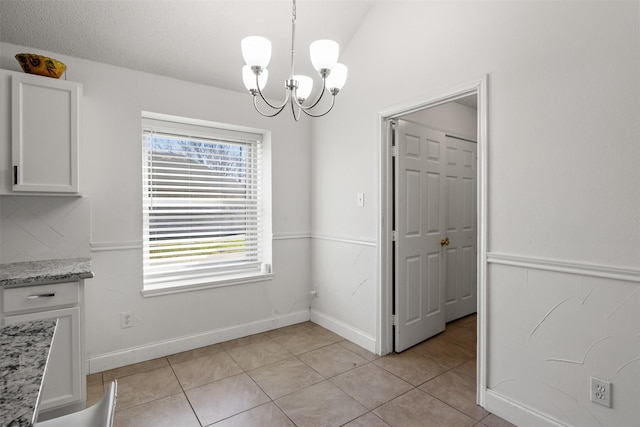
[
  {"x": 126, "y": 319},
  {"x": 601, "y": 392}
]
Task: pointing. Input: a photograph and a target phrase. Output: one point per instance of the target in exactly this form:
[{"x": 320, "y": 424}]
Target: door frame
[{"x": 384, "y": 333}]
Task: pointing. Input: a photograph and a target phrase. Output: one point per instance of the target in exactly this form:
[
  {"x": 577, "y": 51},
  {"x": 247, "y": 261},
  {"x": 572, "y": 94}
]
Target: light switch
[{"x": 360, "y": 201}]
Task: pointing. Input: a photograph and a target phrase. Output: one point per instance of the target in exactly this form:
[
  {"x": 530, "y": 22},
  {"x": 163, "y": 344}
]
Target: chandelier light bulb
[
  {"x": 338, "y": 77},
  {"x": 256, "y": 51},
  {"x": 249, "y": 78},
  {"x": 305, "y": 85},
  {"x": 324, "y": 54}
]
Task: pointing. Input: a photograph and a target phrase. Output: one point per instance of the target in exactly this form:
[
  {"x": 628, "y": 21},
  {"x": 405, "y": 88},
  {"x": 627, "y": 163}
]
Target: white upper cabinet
[{"x": 45, "y": 128}]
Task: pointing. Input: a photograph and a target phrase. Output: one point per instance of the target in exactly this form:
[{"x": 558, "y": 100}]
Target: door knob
[{"x": 444, "y": 242}]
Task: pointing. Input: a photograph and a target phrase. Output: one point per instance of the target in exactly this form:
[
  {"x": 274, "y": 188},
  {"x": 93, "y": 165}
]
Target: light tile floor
[{"x": 303, "y": 375}]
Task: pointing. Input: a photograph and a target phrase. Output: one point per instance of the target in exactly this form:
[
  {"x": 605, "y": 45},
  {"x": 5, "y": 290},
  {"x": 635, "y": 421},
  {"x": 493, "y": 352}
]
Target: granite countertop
[
  {"x": 50, "y": 271},
  {"x": 24, "y": 352}
]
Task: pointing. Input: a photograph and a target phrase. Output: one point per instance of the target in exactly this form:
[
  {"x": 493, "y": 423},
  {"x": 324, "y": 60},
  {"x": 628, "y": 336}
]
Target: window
[{"x": 202, "y": 205}]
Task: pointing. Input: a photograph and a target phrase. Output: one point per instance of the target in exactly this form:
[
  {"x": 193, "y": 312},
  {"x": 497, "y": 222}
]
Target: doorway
[
  {"x": 385, "y": 333},
  {"x": 434, "y": 219}
]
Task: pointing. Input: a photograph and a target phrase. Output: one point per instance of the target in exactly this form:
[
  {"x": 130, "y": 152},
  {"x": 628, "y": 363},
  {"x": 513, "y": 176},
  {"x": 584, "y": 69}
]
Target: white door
[
  {"x": 419, "y": 208},
  {"x": 460, "y": 253}
]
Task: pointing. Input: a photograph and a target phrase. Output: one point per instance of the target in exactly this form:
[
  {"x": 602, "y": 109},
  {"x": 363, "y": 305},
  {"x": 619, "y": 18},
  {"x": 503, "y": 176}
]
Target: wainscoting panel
[{"x": 552, "y": 325}]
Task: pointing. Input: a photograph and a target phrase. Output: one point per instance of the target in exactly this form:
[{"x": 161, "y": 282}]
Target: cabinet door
[
  {"x": 45, "y": 132},
  {"x": 6, "y": 169},
  {"x": 63, "y": 383}
]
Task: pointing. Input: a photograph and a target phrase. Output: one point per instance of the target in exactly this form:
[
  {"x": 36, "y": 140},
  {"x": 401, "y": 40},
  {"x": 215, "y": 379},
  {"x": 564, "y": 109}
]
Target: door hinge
[
  {"x": 394, "y": 150},
  {"x": 394, "y": 236},
  {"x": 394, "y": 320}
]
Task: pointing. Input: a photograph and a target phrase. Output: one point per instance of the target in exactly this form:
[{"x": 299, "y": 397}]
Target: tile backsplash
[{"x": 44, "y": 227}]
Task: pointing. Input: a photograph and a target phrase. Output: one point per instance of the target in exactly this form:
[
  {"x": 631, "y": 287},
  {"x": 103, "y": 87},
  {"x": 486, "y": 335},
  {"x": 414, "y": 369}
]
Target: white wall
[
  {"x": 111, "y": 179},
  {"x": 563, "y": 199}
]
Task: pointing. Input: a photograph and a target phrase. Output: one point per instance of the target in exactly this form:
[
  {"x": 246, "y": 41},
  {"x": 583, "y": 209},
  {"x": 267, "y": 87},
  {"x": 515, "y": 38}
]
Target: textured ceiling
[{"x": 197, "y": 41}]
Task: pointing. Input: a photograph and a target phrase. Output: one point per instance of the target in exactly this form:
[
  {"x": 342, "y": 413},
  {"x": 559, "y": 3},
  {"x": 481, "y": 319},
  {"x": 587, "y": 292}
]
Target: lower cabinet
[{"x": 64, "y": 382}]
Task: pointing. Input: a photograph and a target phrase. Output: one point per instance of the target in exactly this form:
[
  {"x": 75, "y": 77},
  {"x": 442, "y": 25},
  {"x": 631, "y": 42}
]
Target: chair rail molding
[
  {"x": 137, "y": 244},
  {"x": 346, "y": 239},
  {"x": 116, "y": 246},
  {"x": 561, "y": 266}
]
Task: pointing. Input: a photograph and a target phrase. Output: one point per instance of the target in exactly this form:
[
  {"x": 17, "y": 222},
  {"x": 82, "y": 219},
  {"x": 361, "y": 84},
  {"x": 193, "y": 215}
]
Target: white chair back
[{"x": 99, "y": 415}]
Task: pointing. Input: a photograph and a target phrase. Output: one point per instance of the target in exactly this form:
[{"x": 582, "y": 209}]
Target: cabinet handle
[
  {"x": 36, "y": 296},
  {"x": 15, "y": 175}
]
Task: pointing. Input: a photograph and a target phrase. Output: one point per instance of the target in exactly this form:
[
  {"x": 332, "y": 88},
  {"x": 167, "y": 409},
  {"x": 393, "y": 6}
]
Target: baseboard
[
  {"x": 345, "y": 331},
  {"x": 103, "y": 362},
  {"x": 516, "y": 413},
  {"x": 44, "y": 414}
]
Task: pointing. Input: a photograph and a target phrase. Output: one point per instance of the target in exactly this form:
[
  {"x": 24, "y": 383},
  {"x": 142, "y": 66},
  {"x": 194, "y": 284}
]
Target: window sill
[{"x": 220, "y": 281}]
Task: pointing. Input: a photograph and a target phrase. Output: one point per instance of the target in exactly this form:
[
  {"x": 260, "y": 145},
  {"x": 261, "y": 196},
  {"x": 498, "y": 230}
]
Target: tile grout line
[
  {"x": 328, "y": 379},
  {"x": 184, "y": 393}
]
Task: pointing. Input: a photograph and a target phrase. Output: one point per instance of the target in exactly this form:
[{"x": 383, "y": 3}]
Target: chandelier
[{"x": 256, "y": 52}]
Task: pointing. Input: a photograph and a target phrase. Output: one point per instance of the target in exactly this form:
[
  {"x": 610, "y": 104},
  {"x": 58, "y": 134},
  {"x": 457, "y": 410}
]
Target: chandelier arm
[
  {"x": 324, "y": 89},
  {"x": 279, "y": 107},
  {"x": 333, "y": 101},
  {"x": 293, "y": 110},
  {"x": 278, "y": 110}
]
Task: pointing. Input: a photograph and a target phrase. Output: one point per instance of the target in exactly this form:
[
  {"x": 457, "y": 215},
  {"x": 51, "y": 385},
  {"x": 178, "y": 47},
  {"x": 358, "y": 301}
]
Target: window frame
[{"x": 259, "y": 270}]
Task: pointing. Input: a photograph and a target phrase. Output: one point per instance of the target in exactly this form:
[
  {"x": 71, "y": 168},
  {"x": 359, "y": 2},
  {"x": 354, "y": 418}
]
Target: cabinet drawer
[{"x": 40, "y": 297}]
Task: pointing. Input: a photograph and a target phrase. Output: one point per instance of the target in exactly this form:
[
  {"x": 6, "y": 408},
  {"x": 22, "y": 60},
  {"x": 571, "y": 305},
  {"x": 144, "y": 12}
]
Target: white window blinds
[{"x": 201, "y": 203}]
